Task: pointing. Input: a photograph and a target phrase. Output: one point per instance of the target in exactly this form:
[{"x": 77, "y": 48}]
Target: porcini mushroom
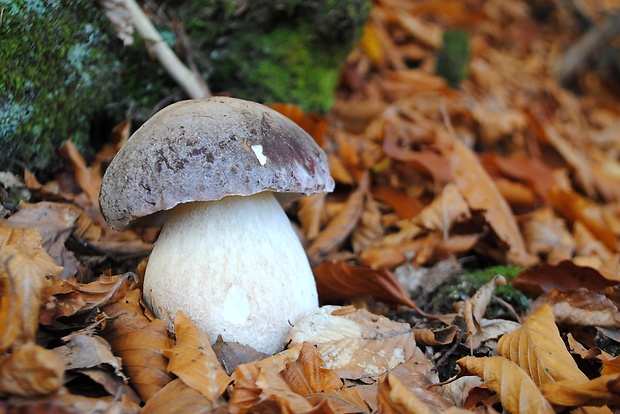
[{"x": 227, "y": 255}]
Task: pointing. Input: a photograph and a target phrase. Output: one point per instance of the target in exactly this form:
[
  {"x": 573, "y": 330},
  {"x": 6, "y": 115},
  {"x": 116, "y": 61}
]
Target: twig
[
  {"x": 191, "y": 83},
  {"x": 581, "y": 52}
]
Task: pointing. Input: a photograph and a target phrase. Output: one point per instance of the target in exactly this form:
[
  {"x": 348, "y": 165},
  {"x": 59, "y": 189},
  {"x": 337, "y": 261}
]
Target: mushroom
[{"x": 227, "y": 255}]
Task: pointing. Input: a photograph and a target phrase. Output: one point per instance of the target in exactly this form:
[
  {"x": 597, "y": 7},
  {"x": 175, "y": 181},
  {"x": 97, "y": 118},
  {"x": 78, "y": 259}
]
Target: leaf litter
[{"x": 509, "y": 167}]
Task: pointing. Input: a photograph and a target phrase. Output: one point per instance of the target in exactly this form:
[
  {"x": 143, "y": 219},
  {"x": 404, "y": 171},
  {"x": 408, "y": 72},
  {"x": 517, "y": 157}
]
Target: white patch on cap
[{"x": 258, "y": 150}]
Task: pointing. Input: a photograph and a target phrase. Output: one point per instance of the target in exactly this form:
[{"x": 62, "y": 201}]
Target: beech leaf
[
  {"x": 355, "y": 343},
  {"x": 517, "y": 392},
  {"x": 193, "y": 360},
  {"x": 139, "y": 342}
]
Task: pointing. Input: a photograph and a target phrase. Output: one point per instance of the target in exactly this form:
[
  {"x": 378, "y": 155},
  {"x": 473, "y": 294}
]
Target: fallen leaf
[
  {"x": 337, "y": 281},
  {"x": 546, "y": 235},
  {"x": 310, "y": 214},
  {"x": 341, "y": 226},
  {"x": 357, "y": 344},
  {"x": 539, "y": 350},
  {"x": 577, "y": 208},
  {"x": 30, "y": 371},
  {"x": 481, "y": 194},
  {"x": 562, "y": 276},
  {"x": 517, "y": 392},
  {"x": 176, "y": 397},
  {"x": 24, "y": 273},
  {"x": 598, "y": 392},
  {"x": 66, "y": 297},
  {"x": 580, "y": 307},
  {"x": 139, "y": 342},
  {"x": 393, "y": 397},
  {"x": 193, "y": 360}
]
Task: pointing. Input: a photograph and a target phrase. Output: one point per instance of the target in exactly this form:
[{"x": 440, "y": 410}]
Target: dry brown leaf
[
  {"x": 481, "y": 194},
  {"x": 566, "y": 275},
  {"x": 337, "y": 281},
  {"x": 30, "y": 371},
  {"x": 69, "y": 403},
  {"x": 517, "y": 392},
  {"x": 539, "y": 350},
  {"x": 405, "y": 206},
  {"x": 193, "y": 360},
  {"x": 310, "y": 214},
  {"x": 580, "y": 307},
  {"x": 176, "y": 397},
  {"x": 529, "y": 170},
  {"x": 369, "y": 231},
  {"x": 546, "y": 235},
  {"x": 139, "y": 342},
  {"x": 12, "y": 235},
  {"x": 577, "y": 208},
  {"x": 341, "y": 226},
  {"x": 276, "y": 391},
  {"x": 24, "y": 273},
  {"x": 357, "y": 344},
  {"x": 88, "y": 182},
  {"x": 66, "y": 297},
  {"x": 394, "y": 398},
  {"x": 306, "y": 376},
  {"x": 601, "y": 391}
]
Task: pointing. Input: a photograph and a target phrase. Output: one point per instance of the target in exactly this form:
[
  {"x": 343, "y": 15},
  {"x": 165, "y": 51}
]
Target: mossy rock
[
  {"x": 62, "y": 68},
  {"x": 275, "y": 50}
]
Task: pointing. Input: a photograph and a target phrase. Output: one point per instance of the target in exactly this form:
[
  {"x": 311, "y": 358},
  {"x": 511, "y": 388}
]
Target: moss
[
  {"x": 275, "y": 50},
  {"x": 454, "y": 57},
  {"x": 62, "y": 67},
  {"x": 466, "y": 286}
]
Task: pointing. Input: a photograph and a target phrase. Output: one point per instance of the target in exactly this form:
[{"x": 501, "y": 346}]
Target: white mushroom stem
[{"x": 235, "y": 267}]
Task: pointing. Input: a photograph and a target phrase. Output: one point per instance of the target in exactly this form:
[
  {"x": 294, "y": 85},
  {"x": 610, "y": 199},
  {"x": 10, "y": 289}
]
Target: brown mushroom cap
[{"x": 204, "y": 150}]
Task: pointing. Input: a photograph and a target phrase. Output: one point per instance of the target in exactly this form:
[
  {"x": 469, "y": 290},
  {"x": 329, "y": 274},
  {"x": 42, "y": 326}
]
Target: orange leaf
[
  {"x": 31, "y": 370},
  {"x": 24, "y": 273},
  {"x": 139, "y": 342},
  {"x": 338, "y": 280},
  {"x": 481, "y": 194},
  {"x": 577, "y": 208},
  {"x": 176, "y": 397},
  {"x": 539, "y": 350},
  {"x": 341, "y": 226},
  {"x": 306, "y": 376},
  {"x": 193, "y": 360},
  {"x": 517, "y": 392},
  {"x": 564, "y": 276}
]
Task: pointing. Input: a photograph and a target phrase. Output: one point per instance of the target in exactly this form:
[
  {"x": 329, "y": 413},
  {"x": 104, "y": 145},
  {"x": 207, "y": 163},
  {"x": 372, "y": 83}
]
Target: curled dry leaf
[
  {"x": 66, "y": 297},
  {"x": 139, "y": 342},
  {"x": 357, "y": 344},
  {"x": 341, "y": 226},
  {"x": 578, "y": 208},
  {"x": 546, "y": 234},
  {"x": 604, "y": 390},
  {"x": 88, "y": 182},
  {"x": 481, "y": 194},
  {"x": 337, "y": 281},
  {"x": 30, "y": 371},
  {"x": 563, "y": 276},
  {"x": 538, "y": 349},
  {"x": 308, "y": 378},
  {"x": 176, "y": 397},
  {"x": 193, "y": 360},
  {"x": 580, "y": 307},
  {"x": 24, "y": 273},
  {"x": 310, "y": 214},
  {"x": 517, "y": 392},
  {"x": 12, "y": 235},
  {"x": 369, "y": 231}
]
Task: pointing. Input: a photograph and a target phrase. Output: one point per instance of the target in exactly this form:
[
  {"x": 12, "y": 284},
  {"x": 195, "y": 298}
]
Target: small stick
[{"x": 191, "y": 83}]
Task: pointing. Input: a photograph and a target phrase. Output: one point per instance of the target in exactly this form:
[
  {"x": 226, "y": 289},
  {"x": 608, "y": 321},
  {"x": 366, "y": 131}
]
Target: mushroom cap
[{"x": 207, "y": 149}]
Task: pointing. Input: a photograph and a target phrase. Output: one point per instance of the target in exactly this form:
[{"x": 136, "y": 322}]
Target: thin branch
[{"x": 191, "y": 83}]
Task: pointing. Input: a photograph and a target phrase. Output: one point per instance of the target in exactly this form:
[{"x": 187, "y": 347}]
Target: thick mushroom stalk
[{"x": 235, "y": 267}]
